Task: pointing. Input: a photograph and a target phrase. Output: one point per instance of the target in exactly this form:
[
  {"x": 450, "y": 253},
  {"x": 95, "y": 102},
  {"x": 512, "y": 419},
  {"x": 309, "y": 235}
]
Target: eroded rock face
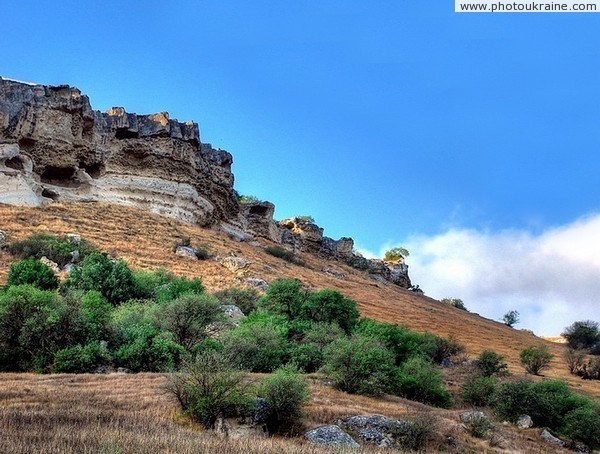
[{"x": 54, "y": 147}]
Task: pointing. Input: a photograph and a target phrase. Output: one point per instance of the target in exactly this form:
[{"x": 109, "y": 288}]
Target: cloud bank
[{"x": 552, "y": 278}]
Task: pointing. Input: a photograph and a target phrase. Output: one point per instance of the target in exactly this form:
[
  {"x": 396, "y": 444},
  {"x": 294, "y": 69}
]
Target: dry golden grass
[
  {"x": 132, "y": 414},
  {"x": 145, "y": 240}
]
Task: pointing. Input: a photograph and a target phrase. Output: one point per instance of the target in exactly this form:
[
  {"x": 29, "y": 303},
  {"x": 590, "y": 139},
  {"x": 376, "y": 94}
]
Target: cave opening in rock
[
  {"x": 94, "y": 170},
  {"x": 125, "y": 133},
  {"x": 15, "y": 163},
  {"x": 60, "y": 176},
  {"x": 49, "y": 194},
  {"x": 258, "y": 210}
]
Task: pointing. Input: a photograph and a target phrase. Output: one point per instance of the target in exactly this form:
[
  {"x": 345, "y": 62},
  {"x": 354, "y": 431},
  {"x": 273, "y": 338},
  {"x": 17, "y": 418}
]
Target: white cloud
[{"x": 552, "y": 278}]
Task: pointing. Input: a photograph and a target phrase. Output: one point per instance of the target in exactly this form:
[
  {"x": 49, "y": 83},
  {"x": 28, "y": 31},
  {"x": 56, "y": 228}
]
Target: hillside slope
[{"x": 146, "y": 240}]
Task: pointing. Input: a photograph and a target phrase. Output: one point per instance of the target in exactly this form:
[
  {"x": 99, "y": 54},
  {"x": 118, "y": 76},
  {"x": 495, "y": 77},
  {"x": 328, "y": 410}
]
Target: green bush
[
  {"x": 80, "y": 358},
  {"x": 188, "y": 316},
  {"x": 514, "y": 399},
  {"x": 489, "y": 363},
  {"x": 395, "y": 254},
  {"x": 112, "y": 278},
  {"x": 285, "y": 393},
  {"x": 583, "y": 424},
  {"x": 536, "y": 359},
  {"x": 308, "y": 353},
  {"x": 34, "y": 324},
  {"x": 281, "y": 253},
  {"x": 447, "y": 349},
  {"x": 259, "y": 343},
  {"x": 178, "y": 286},
  {"x": 478, "y": 425},
  {"x": 244, "y": 298},
  {"x": 359, "y": 365},
  {"x": 583, "y": 335},
  {"x": 284, "y": 297},
  {"x": 210, "y": 388},
  {"x": 330, "y": 306},
  {"x": 57, "y": 249},
  {"x": 418, "y": 379},
  {"x": 415, "y": 432},
  {"x": 94, "y": 315},
  {"x": 478, "y": 390},
  {"x": 454, "y": 302},
  {"x": 32, "y": 272},
  {"x": 149, "y": 282}
]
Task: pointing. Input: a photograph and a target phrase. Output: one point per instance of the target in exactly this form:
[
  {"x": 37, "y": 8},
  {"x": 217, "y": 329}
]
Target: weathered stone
[
  {"x": 259, "y": 221},
  {"x": 2, "y": 239},
  {"x": 187, "y": 252},
  {"x": 341, "y": 248},
  {"x": 233, "y": 313},
  {"x": 469, "y": 416},
  {"x": 237, "y": 265},
  {"x": 54, "y": 147},
  {"x": 331, "y": 272},
  {"x": 548, "y": 437},
  {"x": 305, "y": 235},
  {"x": 331, "y": 436},
  {"x": 262, "y": 411},
  {"x": 524, "y": 422},
  {"x": 260, "y": 284},
  {"x": 50, "y": 264},
  {"x": 374, "y": 429},
  {"x": 74, "y": 238}
]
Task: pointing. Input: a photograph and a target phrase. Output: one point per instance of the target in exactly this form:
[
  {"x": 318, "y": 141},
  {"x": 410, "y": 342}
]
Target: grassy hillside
[{"x": 146, "y": 240}]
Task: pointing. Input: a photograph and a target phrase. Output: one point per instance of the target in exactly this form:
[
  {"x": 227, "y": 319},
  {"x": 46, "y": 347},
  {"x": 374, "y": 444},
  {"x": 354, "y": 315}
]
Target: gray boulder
[
  {"x": 469, "y": 416},
  {"x": 524, "y": 422},
  {"x": 548, "y": 437},
  {"x": 255, "y": 282},
  {"x": 2, "y": 239},
  {"x": 331, "y": 436},
  {"x": 373, "y": 429},
  {"x": 187, "y": 252}
]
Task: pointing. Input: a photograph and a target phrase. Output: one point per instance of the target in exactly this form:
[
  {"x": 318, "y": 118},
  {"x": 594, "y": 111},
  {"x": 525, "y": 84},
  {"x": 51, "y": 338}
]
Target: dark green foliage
[
  {"x": 309, "y": 353},
  {"x": 583, "y": 335},
  {"x": 330, "y": 306},
  {"x": 80, "y": 358},
  {"x": 178, "y": 286},
  {"x": 248, "y": 199},
  {"x": 32, "y": 272},
  {"x": 94, "y": 315},
  {"x": 141, "y": 345},
  {"x": 402, "y": 342},
  {"x": 259, "y": 343},
  {"x": 511, "y": 318},
  {"x": 284, "y": 297},
  {"x": 149, "y": 282},
  {"x": 359, "y": 364},
  {"x": 447, "y": 349},
  {"x": 286, "y": 393},
  {"x": 112, "y": 278},
  {"x": 418, "y": 379},
  {"x": 479, "y": 390},
  {"x": 454, "y": 302},
  {"x": 210, "y": 388},
  {"x": 34, "y": 324},
  {"x": 188, "y": 316},
  {"x": 478, "y": 425},
  {"x": 359, "y": 262},
  {"x": 415, "y": 432},
  {"x": 536, "y": 359},
  {"x": 57, "y": 249},
  {"x": 281, "y": 253},
  {"x": 513, "y": 399},
  {"x": 489, "y": 363},
  {"x": 244, "y": 298},
  {"x": 583, "y": 425}
]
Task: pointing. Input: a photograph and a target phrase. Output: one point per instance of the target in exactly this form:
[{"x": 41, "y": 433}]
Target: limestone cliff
[{"x": 53, "y": 146}]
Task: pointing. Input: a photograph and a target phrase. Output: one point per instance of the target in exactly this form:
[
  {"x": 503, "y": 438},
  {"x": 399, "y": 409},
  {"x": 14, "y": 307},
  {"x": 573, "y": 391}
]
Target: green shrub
[
  {"x": 489, "y": 363},
  {"x": 514, "y": 399},
  {"x": 178, "y": 286},
  {"x": 395, "y": 254},
  {"x": 34, "y": 324},
  {"x": 583, "y": 424},
  {"x": 575, "y": 360},
  {"x": 478, "y": 425},
  {"x": 94, "y": 316},
  {"x": 112, "y": 278},
  {"x": 511, "y": 318},
  {"x": 454, "y": 302},
  {"x": 149, "y": 282},
  {"x": 308, "y": 354},
  {"x": 57, "y": 249},
  {"x": 285, "y": 393},
  {"x": 210, "y": 388},
  {"x": 259, "y": 343},
  {"x": 418, "y": 379},
  {"x": 281, "y": 253},
  {"x": 32, "y": 272},
  {"x": 284, "y": 297},
  {"x": 447, "y": 349},
  {"x": 415, "y": 432},
  {"x": 536, "y": 359},
  {"x": 188, "y": 316},
  {"x": 244, "y": 298},
  {"x": 478, "y": 390},
  {"x": 80, "y": 358},
  {"x": 330, "y": 306},
  {"x": 583, "y": 335},
  {"x": 359, "y": 364}
]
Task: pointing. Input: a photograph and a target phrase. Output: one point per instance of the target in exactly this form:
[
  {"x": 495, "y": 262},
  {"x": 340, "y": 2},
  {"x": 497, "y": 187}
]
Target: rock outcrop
[{"x": 54, "y": 147}]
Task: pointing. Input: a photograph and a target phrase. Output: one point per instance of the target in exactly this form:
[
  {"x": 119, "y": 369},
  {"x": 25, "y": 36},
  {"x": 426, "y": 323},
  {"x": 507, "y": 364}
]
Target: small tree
[
  {"x": 395, "y": 254},
  {"x": 511, "y": 318},
  {"x": 536, "y": 359},
  {"x": 456, "y": 302},
  {"x": 489, "y": 363},
  {"x": 583, "y": 334},
  {"x": 32, "y": 272}
]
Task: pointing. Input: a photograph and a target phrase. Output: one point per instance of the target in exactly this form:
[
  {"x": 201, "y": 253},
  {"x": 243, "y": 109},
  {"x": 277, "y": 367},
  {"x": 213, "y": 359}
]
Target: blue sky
[{"x": 391, "y": 122}]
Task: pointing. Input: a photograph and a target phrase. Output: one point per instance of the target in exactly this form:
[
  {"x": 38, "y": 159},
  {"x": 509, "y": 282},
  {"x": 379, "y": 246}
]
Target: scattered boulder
[
  {"x": 2, "y": 238},
  {"x": 547, "y": 436},
  {"x": 262, "y": 411},
  {"x": 50, "y": 264},
  {"x": 255, "y": 282},
  {"x": 469, "y": 416},
  {"x": 187, "y": 252},
  {"x": 237, "y": 265},
  {"x": 524, "y": 422},
  {"x": 74, "y": 238},
  {"x": 123, "y": 370},
  {"x": 331, "y": 436},
  {"x": 233, "y": 313},
  {"x": 374, "y": 429},
  {"x": 331, "y": 272}
]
